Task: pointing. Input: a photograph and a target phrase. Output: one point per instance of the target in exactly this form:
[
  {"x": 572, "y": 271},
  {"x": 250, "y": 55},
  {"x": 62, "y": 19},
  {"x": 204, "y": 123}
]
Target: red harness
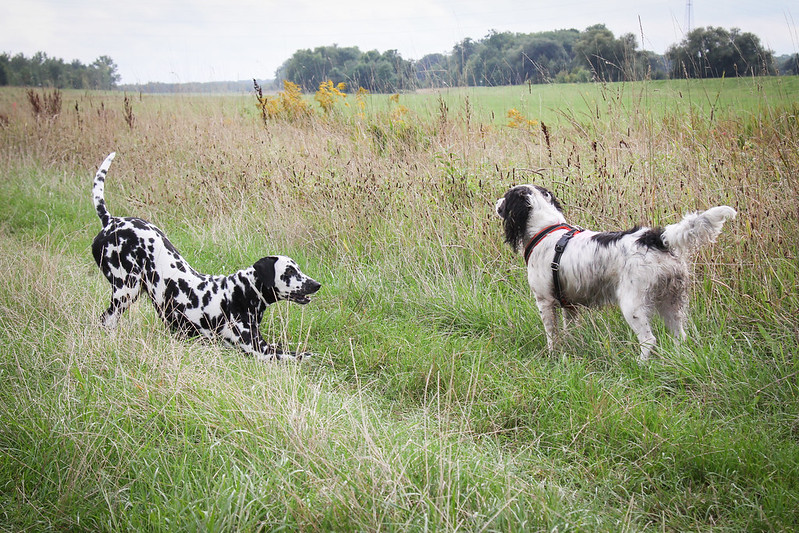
[{"x": 559, "y": 248}]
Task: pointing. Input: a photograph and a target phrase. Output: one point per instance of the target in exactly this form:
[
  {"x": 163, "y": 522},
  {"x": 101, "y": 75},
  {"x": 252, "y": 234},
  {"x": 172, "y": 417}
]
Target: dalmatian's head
[{"x": 280, "y": 276}]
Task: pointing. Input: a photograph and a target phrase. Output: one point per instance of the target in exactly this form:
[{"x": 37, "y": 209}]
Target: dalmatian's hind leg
[{"x": 124, "y": 293}]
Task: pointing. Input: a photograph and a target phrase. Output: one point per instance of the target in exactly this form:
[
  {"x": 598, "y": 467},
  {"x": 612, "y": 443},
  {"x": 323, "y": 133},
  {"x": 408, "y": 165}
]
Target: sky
[{"x": 178, "y": 41}]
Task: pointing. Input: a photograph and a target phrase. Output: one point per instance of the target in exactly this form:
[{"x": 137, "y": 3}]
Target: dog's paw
[
  {"x": 306, "y": 355},
  {"x": 295, "y": 356}
]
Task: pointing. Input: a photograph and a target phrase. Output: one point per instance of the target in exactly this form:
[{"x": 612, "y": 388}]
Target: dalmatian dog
[
  {"x": 643, "y": 270},
  {"x": 135, "y": 255}
]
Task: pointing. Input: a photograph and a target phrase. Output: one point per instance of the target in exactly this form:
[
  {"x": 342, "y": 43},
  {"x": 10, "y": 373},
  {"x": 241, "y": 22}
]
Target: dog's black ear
[
  {"x": 515, "y": 212},
  {"x": 265, "y": 271}
]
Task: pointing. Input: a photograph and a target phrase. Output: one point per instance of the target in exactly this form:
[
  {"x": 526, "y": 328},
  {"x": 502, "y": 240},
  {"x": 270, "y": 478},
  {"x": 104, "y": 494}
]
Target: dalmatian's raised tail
[{"x": 98, "y": 190}]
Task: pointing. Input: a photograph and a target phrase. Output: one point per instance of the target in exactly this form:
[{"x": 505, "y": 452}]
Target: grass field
[{"x": 433, "y": 403}]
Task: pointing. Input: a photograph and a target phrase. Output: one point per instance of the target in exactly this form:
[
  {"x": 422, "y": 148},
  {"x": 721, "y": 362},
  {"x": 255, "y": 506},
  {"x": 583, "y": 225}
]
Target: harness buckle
[{"x": 555, "y": 266}]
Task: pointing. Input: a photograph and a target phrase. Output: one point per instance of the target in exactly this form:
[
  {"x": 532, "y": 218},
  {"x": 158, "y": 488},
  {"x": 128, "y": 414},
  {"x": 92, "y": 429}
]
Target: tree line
[
  {"x": 505, "y": 58},
  {"x": 40, "y": 70},
  {"x": 499, "y": 58}
]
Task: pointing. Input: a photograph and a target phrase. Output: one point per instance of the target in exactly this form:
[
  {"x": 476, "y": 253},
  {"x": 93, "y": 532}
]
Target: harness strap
[
  {"x": 559, "y": 248},
  {"x": 540, "y": 236}
]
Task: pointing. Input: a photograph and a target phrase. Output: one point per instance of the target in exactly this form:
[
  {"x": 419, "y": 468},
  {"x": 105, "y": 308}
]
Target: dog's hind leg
[
  {"x": 674, "y": 318},
  {"x": 672, "y": 307},
  {"x": 639, "y": 315},
  {"x": 122, "y": 298}
]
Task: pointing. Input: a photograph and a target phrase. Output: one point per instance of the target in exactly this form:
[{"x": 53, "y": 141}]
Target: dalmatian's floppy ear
[{"x": 265, "y": 271}]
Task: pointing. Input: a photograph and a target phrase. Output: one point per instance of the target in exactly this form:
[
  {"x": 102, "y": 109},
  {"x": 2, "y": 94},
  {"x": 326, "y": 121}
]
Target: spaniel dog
[{"x": 642, "y": 270}]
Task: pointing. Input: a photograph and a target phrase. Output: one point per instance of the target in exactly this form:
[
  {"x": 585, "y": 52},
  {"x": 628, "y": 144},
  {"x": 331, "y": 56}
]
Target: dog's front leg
[
  {"x": 265, "y": 351},
  {"x": 547, "y": 308},
  {"x": 270, "y": 352},
  {"x": 248, "y": 339}
]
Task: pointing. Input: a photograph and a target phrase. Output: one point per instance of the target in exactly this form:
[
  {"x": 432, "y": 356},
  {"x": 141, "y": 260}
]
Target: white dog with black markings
[
  {"x": 642, "y": 270},
  {"x": 135, "y": 256}
]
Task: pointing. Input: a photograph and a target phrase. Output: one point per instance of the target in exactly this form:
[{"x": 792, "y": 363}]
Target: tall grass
[{"x": 433, "y": 403}]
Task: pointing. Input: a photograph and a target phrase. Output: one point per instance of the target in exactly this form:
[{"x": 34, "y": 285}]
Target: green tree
[
  {"x": 716, "y": 52},
  {"x": 40, "y": 70},
  {"x": 609, "y": 58},
  {"x": 432, "y": 71},
  {"x": 376, "y": 72},
  {"x": 5, "y": 69},
  {"x": 541, "y": 58},
  {"x": 790, "y": 66},
  {"x": 459, "y": 59},
  {"x": 103, "y": 73}
]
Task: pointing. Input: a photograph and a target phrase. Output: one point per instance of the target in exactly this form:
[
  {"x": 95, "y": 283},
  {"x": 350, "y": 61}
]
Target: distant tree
[
  {"x": 716, "y": 52},
  {"x": 5, "y": 61},
  {"x": 77, "y": 75},
  {"x": 103, "y": 73},
  {"x": 541, "y": 59},
  {"x": 656, "y": 66},
  {"x": 505, "y": 58},
  {"x": 40, "y": 70},
  {"x": 488, "y": 64},
  {"x": 790, "y": 65},
  {"x": 432, "y": 71},
  {"x": 376, "y": 72},
  {"x": 20, "y": 71},
  {"x": 609, "y": 58},
  {"x": 306, "y": 68},
  {"x": 459, "y": 58}
]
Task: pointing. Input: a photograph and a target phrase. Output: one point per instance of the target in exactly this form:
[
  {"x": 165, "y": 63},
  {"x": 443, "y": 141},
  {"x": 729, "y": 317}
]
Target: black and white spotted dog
[
  {"x": 642, "y": 270},
  {"x": 134, "y": 255}
]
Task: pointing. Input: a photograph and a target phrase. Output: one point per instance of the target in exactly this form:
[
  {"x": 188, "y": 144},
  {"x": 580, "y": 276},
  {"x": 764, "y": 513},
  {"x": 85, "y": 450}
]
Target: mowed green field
[
  {"x": 556, "y": 103},
  {"x": 432, "y": 402}
]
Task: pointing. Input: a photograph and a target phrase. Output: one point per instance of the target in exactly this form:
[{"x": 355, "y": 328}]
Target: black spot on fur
[
  {"x": 191, "y": 295},
  {"x": 611, "y": 237},
  {"x": 207, "y": 296},
  {"x": 212, "y": 323},
  {"x": 653, "y": 238},
  {"x": 289, "y": 273}
]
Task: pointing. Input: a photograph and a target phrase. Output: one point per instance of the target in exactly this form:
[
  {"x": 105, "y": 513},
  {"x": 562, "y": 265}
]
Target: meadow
[{"x": 433, "y": 403}]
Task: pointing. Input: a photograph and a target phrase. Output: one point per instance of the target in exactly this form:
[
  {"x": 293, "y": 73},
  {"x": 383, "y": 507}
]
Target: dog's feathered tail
[
  {"x": 696, "y": 229},
  {"x": 98, "y": 190}
]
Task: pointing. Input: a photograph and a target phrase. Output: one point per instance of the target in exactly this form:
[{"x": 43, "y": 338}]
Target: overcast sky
[{"x": 216, "y": 40}]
